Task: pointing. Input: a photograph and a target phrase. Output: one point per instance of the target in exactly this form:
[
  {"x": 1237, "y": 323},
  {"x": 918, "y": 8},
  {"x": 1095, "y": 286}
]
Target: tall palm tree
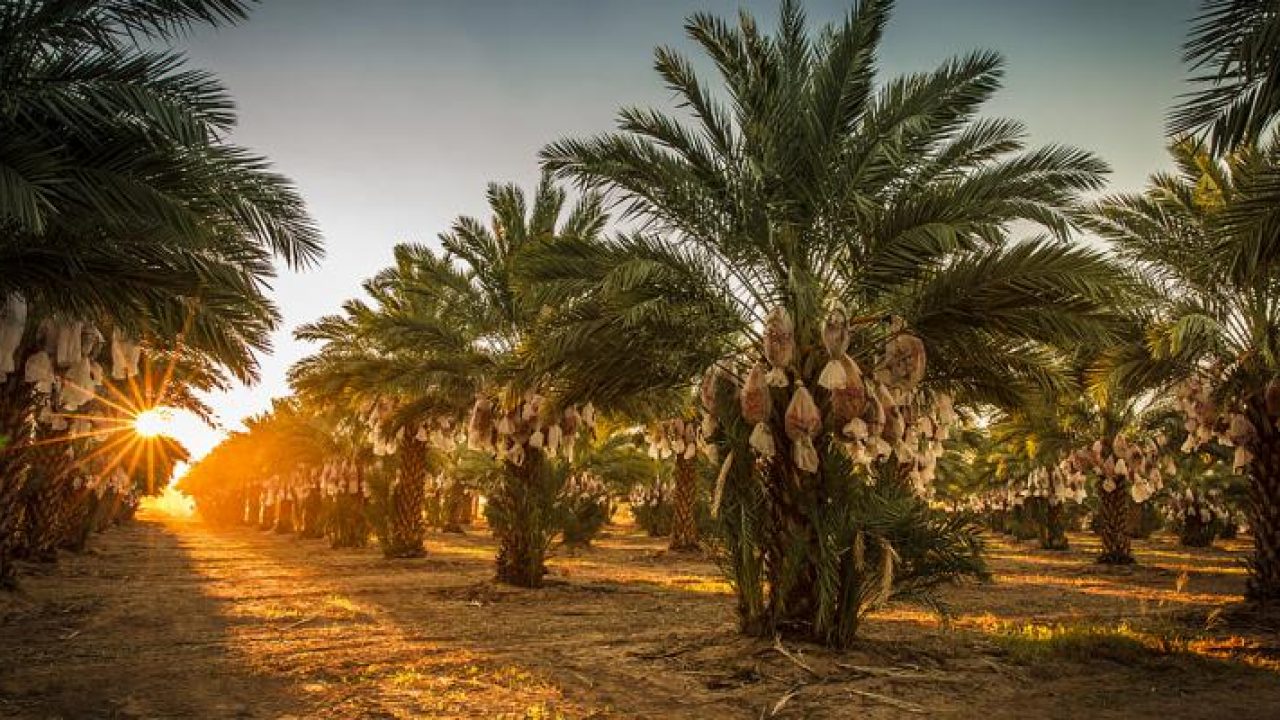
[
  {"x": 799, "y": 210},
  {"x": 1217, "y": 323}
]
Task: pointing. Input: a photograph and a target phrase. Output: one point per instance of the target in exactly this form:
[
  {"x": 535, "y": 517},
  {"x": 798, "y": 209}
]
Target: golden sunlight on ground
[
  {"x": 170, "y": 502},
  {"x": 238, "y": 622}
]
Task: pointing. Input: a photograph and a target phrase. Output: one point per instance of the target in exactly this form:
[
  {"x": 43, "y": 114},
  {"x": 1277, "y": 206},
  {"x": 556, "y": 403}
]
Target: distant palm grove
[{"x": 828, "y": 327}]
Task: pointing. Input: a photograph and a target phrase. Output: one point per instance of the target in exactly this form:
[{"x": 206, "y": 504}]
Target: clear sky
[{"x": 392, "y": 115}]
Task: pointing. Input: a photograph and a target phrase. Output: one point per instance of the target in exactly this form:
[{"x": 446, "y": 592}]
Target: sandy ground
[{"x": 170, "y": 618}]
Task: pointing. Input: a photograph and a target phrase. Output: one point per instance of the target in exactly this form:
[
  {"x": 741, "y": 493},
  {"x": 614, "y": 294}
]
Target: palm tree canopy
[
  {"x": 799, "y": 181},
  {"x": 99, "y": 134},
  {"x": 1234, "y": 48},
  {"x": 121, "y": 203},
  {"x": 1180, "y": 234},
  {"x": 444, "y": 325}
]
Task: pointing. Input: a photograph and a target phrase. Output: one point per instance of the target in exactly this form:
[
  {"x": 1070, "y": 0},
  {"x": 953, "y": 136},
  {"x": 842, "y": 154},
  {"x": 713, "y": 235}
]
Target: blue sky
[{"x": 392, "y": 115}]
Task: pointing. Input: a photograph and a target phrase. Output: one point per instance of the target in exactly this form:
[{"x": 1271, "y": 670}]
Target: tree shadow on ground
[
  {"x": 242, "y": 623},
  {"x": 126, "y": 630}
]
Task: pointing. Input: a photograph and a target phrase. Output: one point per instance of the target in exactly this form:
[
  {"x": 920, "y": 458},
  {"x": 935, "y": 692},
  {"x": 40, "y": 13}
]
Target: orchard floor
[{"x": 169, "y": 618}]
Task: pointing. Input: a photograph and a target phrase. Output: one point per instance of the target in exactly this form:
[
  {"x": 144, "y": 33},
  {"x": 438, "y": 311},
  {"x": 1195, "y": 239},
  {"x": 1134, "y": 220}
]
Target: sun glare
[{"x": 153, "y": 422}]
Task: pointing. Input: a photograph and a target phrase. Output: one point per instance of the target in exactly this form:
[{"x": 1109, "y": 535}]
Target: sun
[{"x": 153, "y": 422}]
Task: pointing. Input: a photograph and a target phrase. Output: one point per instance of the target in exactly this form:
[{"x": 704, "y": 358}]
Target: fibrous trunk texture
[
  {"x": 312, "y": 514},
  {"x": 15, "y": 431},
  {"x": 1264, "y": 494},
  {"x": 49, "y": 497},
  {"x": 347, "y": 526},
  {"x": 1113, "y": 527},
  {"x": 523, "y": 522},
  {"x": 407, "y": 526},
  {"x": 268, "y": 516},
  {"x": 284, "y": 514},
  {"x": 457, "y": 508},
  {"x": 684, "y": 521},
  {"x": 1053, "y": 535}
]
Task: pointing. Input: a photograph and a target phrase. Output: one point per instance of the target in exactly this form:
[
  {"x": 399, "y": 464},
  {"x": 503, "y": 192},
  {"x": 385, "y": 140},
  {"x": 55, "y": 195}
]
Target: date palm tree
[
  {"x": 1234, "y": 49},
  {"x": 1029, "y": 442},
  {"x": 1218, "y": 318},
  {"x": 358, "y": 370},
  {"x": 448, "y": 327},
  {"x": 122, "y": 206},
  {"x": 800, "y": 193}
]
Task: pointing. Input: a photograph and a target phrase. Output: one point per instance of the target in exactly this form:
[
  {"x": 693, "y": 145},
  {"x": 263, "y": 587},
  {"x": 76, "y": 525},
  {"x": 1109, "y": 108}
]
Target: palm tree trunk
[
  {"x": 346, "y": 524},
  {"x": 1023, "y": 523},
  {"x": 284, "y": 514},
  {"x": 111, "y": 510},
  {"x": 467, "y": 509},
  {"x": 684, "y": 523},
  {"x": 15, "y": 428},
  {"x": 268, "y": 516},
  {"x": 1195, "y": 532},
  {"x": 790, "y": 606},
  {"x": 1113, "y": 526},
  {"x": 525, "y": 526},
  {"x": 312, "y": 514},
  {"x": 1264, "y": 496},
  {"x": 252, "y": 507},
  {"x": 1054, "y": 533},
  {"x": 50, "y": 498},
  {"x": 407, "y": 525},
  {"x": 83, "y": 517},
  {"x": 456, "y": 507}
]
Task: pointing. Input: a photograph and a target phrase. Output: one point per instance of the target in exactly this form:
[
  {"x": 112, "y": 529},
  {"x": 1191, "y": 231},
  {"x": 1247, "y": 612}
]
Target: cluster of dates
[
  {"x": 531, "y": 423},
  {"x": 1118, "y": 464},
  {"x": 339, "y": 477},
  {"x": 676, "y": 438},
  {"x": 1200, "y": 507},
  {"x": 64, "y": 366},
  {"x": 277, "y": 489},
  {"x": 1055, "y": 484},
  {"x": 104, "y": 480},
  {"x": 874, "y": 417},
  {"x": 1206, "y": 422}
]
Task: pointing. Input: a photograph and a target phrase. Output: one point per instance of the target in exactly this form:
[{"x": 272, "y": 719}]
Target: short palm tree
[
  {"x": 447, "y": 328},
  {"x": 1218, "y": 319},
  {"x": 1029, "y": 444},
  {"x": 362, "y": 373},
  {"x": 774, "y": 237},
  {"x": 677, "y": 439}
]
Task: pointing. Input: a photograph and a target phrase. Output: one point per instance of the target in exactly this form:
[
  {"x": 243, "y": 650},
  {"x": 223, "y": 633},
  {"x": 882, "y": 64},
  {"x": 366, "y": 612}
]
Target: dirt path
[{"x": 169, "y": 618}]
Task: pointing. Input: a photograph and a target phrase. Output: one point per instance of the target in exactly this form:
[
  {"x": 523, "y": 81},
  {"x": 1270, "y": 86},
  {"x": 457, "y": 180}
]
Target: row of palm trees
[
  {"x": 135, "y": 247},
  {"x": 812, "y": 271}
]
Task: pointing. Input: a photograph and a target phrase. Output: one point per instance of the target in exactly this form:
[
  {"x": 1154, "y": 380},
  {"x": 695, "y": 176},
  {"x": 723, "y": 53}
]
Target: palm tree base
[
  {"x": 404, "y": 552},
  {"x": 526, "y": 576},
  {"x": 1115, "y": 558}
]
